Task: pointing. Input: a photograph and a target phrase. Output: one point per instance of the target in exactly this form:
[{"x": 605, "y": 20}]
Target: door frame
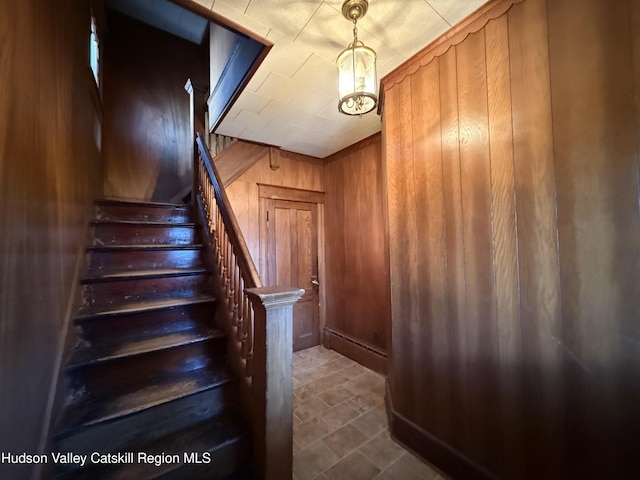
[{"x": 273, "y": 192}]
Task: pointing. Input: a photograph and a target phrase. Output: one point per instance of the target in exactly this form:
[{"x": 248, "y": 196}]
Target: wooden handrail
[
  {"x": 260, "y": 320},
  {"x": 250, "y": 273}
]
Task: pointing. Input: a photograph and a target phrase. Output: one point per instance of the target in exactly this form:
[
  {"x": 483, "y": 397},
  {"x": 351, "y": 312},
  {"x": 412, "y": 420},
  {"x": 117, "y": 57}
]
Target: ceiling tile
[
  {"x": 231, "y": 129},
  {"x": 240, "y": 5},
  {"x": 311, "y": 101},
  {"x": 251, "y": 120},
  {"x": 283, "y": 15},
  {"x": 455, "y": 10},
  {"x": 286, "y": 58},
  {"x": 389, "y": 22},
  {"x": 204, "y": 3},
  {"x": 320, "y": 73},
  {"x": 237, "y": 16},
  {"x": 278, "y": 87},
  {"x": 251, "y": 102}
]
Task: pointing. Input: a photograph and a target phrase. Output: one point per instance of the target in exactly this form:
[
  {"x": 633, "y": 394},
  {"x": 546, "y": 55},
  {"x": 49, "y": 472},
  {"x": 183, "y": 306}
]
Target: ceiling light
[{"x": 357, "y": 81}]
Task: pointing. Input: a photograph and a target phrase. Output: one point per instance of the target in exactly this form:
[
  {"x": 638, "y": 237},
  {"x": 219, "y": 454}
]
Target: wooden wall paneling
[
  {"x": 296, "y": 171},
  {"x": 358, "y": 282},
  {"x": 634, "y": 28},
  {"x": 337, "y": 263},
  {"x": 454, "y": 235},
  {"x": 505, "y": 254},
  {"x": 50, "y": 170},
  {"x": 237, "y": 158},
  {"x": 541, "y": 323},
  {"x": 596, "y": 148},
  {"x": 431, "y": 347},
  {"x": 403, "y": 246},
  {"x": 148, "y": 144},
  {"x": 482, "y": 345}
]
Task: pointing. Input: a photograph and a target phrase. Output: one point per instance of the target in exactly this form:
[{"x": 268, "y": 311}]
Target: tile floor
[{"x": 340, "y": 428}]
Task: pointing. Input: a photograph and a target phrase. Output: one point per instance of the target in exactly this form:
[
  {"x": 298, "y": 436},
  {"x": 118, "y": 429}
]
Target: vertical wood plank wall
[
  {"x": 512, "y": 179},
  {"x": 50, "y": 171},
  {"x": 356, "y": 279},
  {"x": 295, "y": 171},
  {"x": 148, "y": 146}
]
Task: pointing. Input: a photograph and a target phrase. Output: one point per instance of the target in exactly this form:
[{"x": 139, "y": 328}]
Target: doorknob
[{"x": 314, "y": 281}]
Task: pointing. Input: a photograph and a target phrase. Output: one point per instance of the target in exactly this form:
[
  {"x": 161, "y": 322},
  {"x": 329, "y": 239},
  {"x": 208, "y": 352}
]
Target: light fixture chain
[{"x": 355, "y": 31}]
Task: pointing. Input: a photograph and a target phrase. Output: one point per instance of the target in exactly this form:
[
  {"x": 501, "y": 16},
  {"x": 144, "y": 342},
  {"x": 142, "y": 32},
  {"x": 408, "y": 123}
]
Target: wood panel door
[{"x": 292, "y": 260}]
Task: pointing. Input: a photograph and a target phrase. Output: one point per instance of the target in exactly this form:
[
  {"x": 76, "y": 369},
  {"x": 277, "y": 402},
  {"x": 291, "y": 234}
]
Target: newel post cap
[{"x": 271, "y": 297}]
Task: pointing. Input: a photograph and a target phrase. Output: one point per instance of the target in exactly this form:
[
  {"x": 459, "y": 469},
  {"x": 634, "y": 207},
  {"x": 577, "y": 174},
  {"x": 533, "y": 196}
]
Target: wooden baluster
[{"x": 249, "y": 319}]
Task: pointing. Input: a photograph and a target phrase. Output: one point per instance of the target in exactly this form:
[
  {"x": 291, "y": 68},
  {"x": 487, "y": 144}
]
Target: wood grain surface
[
  {"x": 148, "y": 146},
  {"x": 50, "y": 170},
  {"x": 356, "y": 279},
  {"x": 511, "y": 167}
]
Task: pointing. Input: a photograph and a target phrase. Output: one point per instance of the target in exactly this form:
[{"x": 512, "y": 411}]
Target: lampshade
[
  {"x": 357, "y": 80},
  {"x": 356, "y": 64}
]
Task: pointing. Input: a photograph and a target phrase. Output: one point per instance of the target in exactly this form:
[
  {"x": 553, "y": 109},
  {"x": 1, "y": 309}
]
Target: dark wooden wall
[
  {"x": 511, "y": 166},
  {"x": 50, "y": 170},
  {"x": 148, "y": 146},
  {"x": 357, "y": 279}
]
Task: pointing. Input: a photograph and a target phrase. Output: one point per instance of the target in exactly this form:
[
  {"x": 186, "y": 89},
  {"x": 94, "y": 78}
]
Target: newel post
[
  {"x": 197, "y": 109},
  {"x": 273, "y": 380}
]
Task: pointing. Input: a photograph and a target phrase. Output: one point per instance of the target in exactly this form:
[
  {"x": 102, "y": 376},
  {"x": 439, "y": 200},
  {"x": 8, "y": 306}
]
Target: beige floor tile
[
  {"x": 363, "y": 402},
  {"x": 335, "y": 395},
  {"x": 312, "y": 461},
  {"x": 371, "y": 422},
  {"x": 407, "y": 467},
  {"x": 310, "y": 408},
  {"x": 340, "y": 424},
  {"x": 354, "y": 466},
  {"x": 332, "y": 379},
  {"x": 354, "y": 370},
  {"x": 339, "y": 415},
  {"x": 311, "y": 431},
  {"x": 382, "y": 450},
  {"x": 305, "y": 392},
  {"x": 344, "y": 440}
]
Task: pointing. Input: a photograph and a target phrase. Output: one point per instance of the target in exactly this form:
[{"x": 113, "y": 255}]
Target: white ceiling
[{"x": 291, "y": 101}]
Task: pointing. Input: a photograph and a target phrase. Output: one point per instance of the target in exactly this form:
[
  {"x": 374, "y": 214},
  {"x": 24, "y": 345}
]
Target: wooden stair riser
[
  {"x": 157, "y": 421},
  {"x": 101, "y": 376},
  {"x": 135, "y": 324},
  {"x": 150, "y": 213},
  {"x": 110, "y": 260},
  {"x": 151, "y": 370},
  {"x": 116, "y": 291},
  {"x": 143, "y": 234}
]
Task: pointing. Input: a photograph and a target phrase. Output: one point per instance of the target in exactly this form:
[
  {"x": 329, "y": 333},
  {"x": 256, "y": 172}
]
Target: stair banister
[{"x": 261, "y": 318}]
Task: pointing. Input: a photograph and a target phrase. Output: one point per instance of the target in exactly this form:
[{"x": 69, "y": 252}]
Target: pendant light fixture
[{"x": 356, "y": 64}]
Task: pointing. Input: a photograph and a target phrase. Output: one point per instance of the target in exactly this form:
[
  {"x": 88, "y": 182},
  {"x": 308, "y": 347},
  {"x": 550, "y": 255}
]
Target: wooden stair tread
[
  {"x": 105, "y": 276},
  {"x": 210, "y": 436},
  {"x": 141, "y": 306},
  {"x": 145, "y": 223},
  {"x": 135, "y": 203},
  {"x": 90, "y": 409},
  {"x": 94, "y": 353},
  {"x": 143, "y": 247}
]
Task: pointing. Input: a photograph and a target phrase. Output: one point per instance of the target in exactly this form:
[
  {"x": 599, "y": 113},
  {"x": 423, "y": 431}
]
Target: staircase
[{"x": 149, "y": 378}]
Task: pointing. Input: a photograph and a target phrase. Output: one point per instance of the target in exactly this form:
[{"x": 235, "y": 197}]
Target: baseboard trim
[
  {"x": 437, "y": 453},
  {"x": 355, "y": 349}
]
